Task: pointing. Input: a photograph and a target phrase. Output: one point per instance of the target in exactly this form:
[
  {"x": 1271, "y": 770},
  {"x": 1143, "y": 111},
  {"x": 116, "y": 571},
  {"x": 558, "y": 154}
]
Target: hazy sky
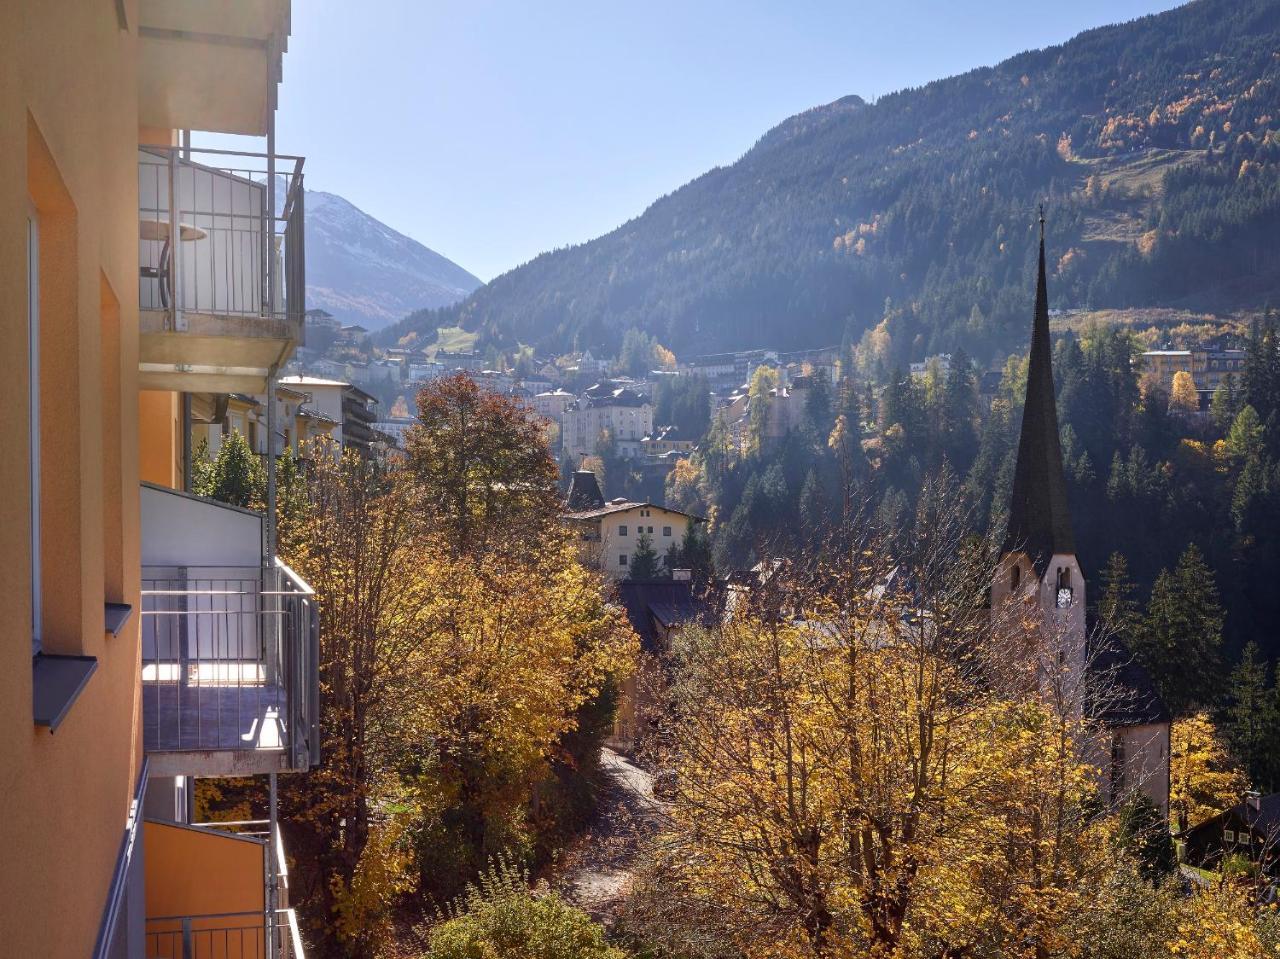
[{"x": 492, "y": 131}]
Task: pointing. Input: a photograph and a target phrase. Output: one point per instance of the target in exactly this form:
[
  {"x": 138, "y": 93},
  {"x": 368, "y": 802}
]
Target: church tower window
[{"x": 1065, "y": 592}]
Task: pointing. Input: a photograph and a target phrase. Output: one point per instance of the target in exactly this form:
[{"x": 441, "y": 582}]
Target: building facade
[
  {"x": 115, "y": 693},
  {"x": 622, "y": 414},
  {"x": 608, "y": 533},
  {"x": 1208, "y": 366}
]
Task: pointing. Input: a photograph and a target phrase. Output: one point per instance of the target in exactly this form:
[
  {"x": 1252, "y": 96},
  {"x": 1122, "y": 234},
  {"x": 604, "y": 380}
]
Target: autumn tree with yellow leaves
[
  {"x": 460, "y": 642},
  {"x": 1204, "y": 779},
  {"x": 869, "y": 762}
]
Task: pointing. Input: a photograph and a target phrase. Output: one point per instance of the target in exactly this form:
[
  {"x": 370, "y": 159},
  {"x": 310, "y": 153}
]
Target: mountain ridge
[
  {"x": 363, "y": 271},
  {"x": 1135, "y": 134}
]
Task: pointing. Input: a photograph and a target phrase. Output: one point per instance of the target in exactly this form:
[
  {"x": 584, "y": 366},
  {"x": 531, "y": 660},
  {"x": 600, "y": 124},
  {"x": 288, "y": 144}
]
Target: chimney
[{"x": 1253, "y": 799}]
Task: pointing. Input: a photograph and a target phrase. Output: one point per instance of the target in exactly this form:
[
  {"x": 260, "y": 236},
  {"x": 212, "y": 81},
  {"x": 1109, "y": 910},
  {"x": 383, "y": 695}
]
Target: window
[
  {"x": 622, "y": 559},
  {"x": 666, "y": 531},
  {"x": 33, "y": 425},
  {"x": 622, "y": 530},
  {"x": 1229, "y": 835}
]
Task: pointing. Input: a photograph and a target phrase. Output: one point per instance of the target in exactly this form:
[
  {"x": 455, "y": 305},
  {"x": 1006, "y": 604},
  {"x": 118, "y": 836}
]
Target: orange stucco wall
[
  {"x": 192, "y": 871},
  {"x": 160, "y": 429},
  {"x": 68, "y": 140}
]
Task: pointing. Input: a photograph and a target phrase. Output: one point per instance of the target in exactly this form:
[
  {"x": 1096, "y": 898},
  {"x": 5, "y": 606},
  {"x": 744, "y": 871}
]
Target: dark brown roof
[
  {"x": 666, "y": 603},
  {"x": 1039, "y": 523},
  {"x": 1265, "y": 819},
  {"x": 622, "y": 507},
  {"x": 584, "y": 492},
  {"x": 1122, "y": 692}
]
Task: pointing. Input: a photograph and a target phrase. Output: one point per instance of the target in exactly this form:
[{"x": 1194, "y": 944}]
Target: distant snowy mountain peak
[{"x": 362, "y": 271}]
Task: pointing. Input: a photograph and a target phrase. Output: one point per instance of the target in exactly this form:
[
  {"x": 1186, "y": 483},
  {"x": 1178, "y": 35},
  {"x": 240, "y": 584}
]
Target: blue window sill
[
  {"x": 117, "y": 614},
  {"x": 57, "y": 682}
]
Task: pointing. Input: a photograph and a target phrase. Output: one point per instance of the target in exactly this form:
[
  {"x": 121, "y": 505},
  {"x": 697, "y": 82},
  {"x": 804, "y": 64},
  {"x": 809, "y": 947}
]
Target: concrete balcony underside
[
  {"x": 214, "y": 354},
  {"x": 210, "y": 66}
]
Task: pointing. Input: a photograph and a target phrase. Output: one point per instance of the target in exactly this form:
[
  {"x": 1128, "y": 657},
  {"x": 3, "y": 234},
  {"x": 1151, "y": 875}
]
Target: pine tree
[
  {"x": 1181, "y": 636},
  {"x": 1262, "y": 367},
  {"x": 1117, "y": 608},
  {"x": 237, "y": 475},
  {"x": 1251, "y": 718},
  {"x": 1225, "y": 405},
  {"x": 695, "y": 553},
  {"x": 814, "y": 509},
  {"x": 644, "y": 560}
]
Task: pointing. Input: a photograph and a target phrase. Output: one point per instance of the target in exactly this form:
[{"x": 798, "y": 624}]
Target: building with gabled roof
[{"x": 608, "y": 532}]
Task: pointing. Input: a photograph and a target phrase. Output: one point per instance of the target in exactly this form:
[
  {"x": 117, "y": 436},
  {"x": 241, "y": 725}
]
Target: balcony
[
  {"x": 221, "y": 285},
  {"x": 234, "y": 935},
  {"x": 209, "y": 893},
  {"x": 230, "y": 681},
  {"x": 229, "y": 670},
  {"x": 210, "y": 66}
]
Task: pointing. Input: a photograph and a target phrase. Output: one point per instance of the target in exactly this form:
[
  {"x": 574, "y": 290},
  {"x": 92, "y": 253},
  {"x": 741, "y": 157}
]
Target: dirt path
[{"x": 596, "y": 873}]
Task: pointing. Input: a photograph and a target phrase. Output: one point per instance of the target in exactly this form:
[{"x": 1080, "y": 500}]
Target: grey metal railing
[
  {"x": 230, "y": 661},
  {"x": 231, "y": 245},
  {"x": 227, "y": 935}
]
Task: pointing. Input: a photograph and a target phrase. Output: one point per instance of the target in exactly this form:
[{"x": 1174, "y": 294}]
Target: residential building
[
  {"x": 664, "y": 440},
  {"x": 453, "y": 361},
  {"x": 495, "y": 381},
  {"x": 321, "y": 320},
  {"x": 941, "y": 361},
  {"x": 1208, "y": 366},
  {"x": 158, "y": 638},
  {"x": 421, "y": 370},
  {"x": 1251, "y": 829},
  {"x": 552, "y": 404},
  {"x": 1039, "y": 567},
  {"x": 730, "y": 368},
  {"x": 351, "y": 408},
  {"x": 609, "y": 532},
  {"x": 622, "y": 414},
  {"x": 657, "y": 610},
  {"x": 396, "y": 428}
]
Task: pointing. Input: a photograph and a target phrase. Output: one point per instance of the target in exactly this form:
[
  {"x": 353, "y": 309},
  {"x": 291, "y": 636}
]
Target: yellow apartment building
[{"x": 141, "y": 283}]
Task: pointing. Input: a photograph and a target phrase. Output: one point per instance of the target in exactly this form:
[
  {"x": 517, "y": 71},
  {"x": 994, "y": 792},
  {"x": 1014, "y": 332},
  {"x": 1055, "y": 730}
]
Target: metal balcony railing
[
  {"x": 228, "y": 935},
  {"x": 221, "y": 233},
  {"x": 230, "y": 662}
]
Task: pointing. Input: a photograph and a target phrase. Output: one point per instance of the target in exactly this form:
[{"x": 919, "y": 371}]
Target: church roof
[{"x": 1039, "y": 523}]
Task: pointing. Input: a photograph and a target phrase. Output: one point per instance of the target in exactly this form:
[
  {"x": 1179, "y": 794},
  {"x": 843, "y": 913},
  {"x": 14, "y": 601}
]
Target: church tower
[
  {"x": 1038, "y": 566},
  {"x": 1038, "y": 560}
]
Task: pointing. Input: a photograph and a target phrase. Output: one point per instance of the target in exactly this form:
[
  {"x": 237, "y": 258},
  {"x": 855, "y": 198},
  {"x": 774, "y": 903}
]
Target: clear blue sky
[{"x": 491, "y": 131}]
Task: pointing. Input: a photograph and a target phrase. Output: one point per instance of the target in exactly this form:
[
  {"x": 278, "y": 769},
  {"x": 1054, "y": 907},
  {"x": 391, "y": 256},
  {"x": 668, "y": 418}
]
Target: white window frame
[
  {"x": 33, "y": 438},
  {"x": 1229, "y": 835}
]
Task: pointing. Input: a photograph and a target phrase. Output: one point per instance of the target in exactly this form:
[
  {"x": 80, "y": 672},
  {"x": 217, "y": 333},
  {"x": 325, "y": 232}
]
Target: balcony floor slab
[{"x": 200, "y": 718}]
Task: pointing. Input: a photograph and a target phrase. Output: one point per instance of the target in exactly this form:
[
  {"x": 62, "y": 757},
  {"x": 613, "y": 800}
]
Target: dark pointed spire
[{"x": 1039, "y": 523}]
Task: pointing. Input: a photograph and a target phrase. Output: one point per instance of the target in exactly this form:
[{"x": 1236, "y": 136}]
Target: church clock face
[{"x": 1064, "y": 597}]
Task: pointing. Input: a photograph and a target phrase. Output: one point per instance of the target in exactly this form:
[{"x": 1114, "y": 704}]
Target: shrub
[{"x": 501, "y": 917}]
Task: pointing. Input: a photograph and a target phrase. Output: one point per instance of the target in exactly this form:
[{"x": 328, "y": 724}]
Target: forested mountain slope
[{"x": 1155, "y": 144}]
